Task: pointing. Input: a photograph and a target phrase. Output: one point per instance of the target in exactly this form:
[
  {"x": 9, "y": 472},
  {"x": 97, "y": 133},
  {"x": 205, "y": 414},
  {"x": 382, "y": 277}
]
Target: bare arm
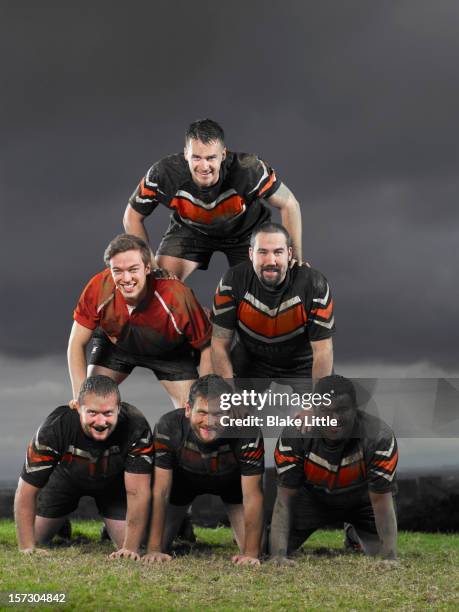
[
  {"x": 205, "y": 363},
  {"x": 290, "y": 212},
  {"x": 76, "y": 356},
  {"x": 134, "y": 224},
  {"x": 221, "y": 351},
  {"x": 252, "y": 496},
  {"x": 386, "y": 523},
  {"x": 138, "y": 492},
  {"x": 25, "y": 506},
  {"x": 322, "y": 359},
  {"x": 161, "y": 492},
  {"x": 280, "y": 524}
]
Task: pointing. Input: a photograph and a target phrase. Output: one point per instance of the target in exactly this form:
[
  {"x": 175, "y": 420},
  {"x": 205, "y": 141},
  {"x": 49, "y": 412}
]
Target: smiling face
[
  {"x": 343, "y": 410},
  {"x": 270, "y": 257},
  {"x": 204, "y": 161},
  {"x": 98, "y": 415},
  {"x": 129, "y": 273},
  {"x": 205, "y": 417}
]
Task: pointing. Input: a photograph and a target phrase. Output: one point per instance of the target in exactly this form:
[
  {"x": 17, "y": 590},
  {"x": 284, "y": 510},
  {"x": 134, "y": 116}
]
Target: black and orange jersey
[
  {"x": 343, "y": 472},
  {"x": 275, "y": 325},
  {"x": 231, "y": 207},
  {"x": 177, "y": 447},
  {"x": 168, "y": 318},
  {"x": 61, "y": 445}
]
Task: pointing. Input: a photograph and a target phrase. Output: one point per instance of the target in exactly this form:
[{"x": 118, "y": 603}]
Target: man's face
[
  {"x": 343, "y": 410},
  {"x": 204, "y": 418},
  {"x": 270, "y": 257},
  {"x": 204, "y": 161},
  {"x": 98, "y": 415},
  {"x": 130, "y": 275}
]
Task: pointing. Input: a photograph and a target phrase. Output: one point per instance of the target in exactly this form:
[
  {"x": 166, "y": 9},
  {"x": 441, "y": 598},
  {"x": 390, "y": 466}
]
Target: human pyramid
[{"x": 272, "y": 321}]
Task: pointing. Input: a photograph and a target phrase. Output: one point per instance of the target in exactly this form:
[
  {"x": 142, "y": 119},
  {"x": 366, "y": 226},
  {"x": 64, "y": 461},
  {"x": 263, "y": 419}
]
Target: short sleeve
[
  {"x": 289, "y": 460},
  {"x": 321, "y": 318},
  {"x": 45, "y": 450},
  {"x": 139, "y": 459},
  {"x": 197, "y": 326},
  {"x": 382, "y": 464},
  {"x": 251, "y": 455},
  {"x": 145, "y": 197},
  {"x": 224, "y": 311},
  {"x": 85, "y": 312},
  {"x": 165, "y": 446},
  {"x": 260, "y": 180}
]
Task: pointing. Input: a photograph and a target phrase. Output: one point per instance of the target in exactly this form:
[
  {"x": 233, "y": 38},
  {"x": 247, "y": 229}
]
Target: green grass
[{"x": 427, "y": 576}]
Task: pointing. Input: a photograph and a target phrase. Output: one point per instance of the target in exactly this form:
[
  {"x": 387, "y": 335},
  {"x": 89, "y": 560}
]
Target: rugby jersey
[
  {"x": 230, "y": 208},
  {"x": 60, "y": 444},
  {"x": 365, "y": 461},
  {"x": 168, "y": 318},
  {"x": 176, "y": 446},
  {"x": 275, "y": 324}
]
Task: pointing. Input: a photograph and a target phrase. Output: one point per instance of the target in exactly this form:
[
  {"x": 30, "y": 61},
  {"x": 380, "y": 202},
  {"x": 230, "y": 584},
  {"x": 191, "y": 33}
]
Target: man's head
[
  {"x": 343, "y": 406},
  {"x": 128, "y": 258},
  {"x": 270, "y": 252},
  {"x": 205, "y": 151},
  {"x": 99, "y": 407},
  {"x": 203, "y": 406}
]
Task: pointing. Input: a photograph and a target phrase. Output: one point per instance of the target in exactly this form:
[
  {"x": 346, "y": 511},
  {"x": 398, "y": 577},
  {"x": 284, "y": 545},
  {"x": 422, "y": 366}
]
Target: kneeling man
[
  {"x": 193, "y": 457},
  {"x": 345, "y": 471},
  {"x": 103, "y": 450}
]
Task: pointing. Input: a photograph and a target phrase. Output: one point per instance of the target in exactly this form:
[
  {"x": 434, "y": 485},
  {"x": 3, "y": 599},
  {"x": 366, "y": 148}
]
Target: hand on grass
[
  {"x": 156, "y": 557},
  {"x": 245, "y": 560},
  {"x": 34, "y": 551},
  {"x": 124, "y": 553},
  {"x": 282, "y": 561}
]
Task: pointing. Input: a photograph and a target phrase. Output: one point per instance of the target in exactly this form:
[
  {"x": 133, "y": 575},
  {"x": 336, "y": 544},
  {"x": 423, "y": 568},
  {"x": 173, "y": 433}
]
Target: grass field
[{"x": 324, "y": 578}]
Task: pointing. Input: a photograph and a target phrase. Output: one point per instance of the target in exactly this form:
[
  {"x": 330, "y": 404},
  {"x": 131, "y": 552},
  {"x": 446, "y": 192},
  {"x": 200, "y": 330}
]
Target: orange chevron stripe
[
  {"x": 222, "y": 299},
  {"x": 388, "y": 464},
  {"x": 144, "y": 191},
  {"x": 272, "y": 178},
  {"x": 284, "y": 323},
  {"x": 280, "y": 458},
  {"x": 345, "y": 476},
  {"x": 325, "y": 313},
  {"x": 226, "y": 209}
]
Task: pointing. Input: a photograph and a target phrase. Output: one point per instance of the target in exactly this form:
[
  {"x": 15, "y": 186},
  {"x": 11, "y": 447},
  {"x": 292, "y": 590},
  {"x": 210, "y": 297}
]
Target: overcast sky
[{"x": 355, "y": 104}]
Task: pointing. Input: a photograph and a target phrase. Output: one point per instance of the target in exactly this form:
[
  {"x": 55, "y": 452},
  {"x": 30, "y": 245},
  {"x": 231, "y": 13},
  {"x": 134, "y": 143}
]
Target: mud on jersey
[
  {"x": 168, "y": 318},
  {"x": 60, "y": 444},
  {"x": 278, "y": 324},
  {"x": 364, "y": 462},
  {"x": 229, "y": 208},
  {"x": 177, "y": 446}
]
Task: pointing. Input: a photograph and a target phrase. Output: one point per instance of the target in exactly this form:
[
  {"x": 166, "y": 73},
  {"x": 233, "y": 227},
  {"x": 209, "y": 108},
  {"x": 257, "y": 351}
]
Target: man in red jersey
[
  {"x": 144, "y": 321},
  {"x": 216, "y": 198}
]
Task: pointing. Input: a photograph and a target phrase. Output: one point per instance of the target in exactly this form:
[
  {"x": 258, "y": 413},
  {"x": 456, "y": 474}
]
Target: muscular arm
[
  {"x": 76, "y": 356},
  {"x": 161, "y": 492},
  {"x": 386, "y": 523},
  {"x": 253, "y": 514},
  {"x": 290, "y": 212},
  {"x": 205, "y": 363},
  {"x": 221, "y": 351},
  {"x": 133, "y": 223},
  {"x": 25, "y": 505},
  {"x": 280, "y": 524},
  {"x": 322, "y": 356},
  {"x": 138, "y": 492}
]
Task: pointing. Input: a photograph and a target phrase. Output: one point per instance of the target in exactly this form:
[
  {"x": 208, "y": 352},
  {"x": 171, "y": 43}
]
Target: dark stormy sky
[{"x": 355, "y": 104}]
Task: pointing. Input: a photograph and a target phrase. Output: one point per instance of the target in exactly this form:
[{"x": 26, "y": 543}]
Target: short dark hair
[
  {"x": 270, "y": 228},
  {"x": 127, "y": 242},
  {"x": 209, "y": 387},
  {"x": 99, "y": 385},
  {"x": 206, "y": 131},
  {"x": 336, "y": 385}
]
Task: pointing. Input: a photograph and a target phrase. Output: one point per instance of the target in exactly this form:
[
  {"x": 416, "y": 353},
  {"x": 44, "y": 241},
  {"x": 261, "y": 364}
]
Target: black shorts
[
  {"x": 186, "y": 486},
  {"x": 310, "y": 514},
  {"x": 60, "y": 496},
  {"x": 184, "y": 242},
  {"x": 177, "y": 365}
]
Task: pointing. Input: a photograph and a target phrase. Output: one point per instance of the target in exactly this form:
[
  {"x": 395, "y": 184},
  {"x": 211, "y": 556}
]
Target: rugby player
[
  {"x": 283, "y": 316},
  {"x": 193, "y": 457},
  {"x": 216, "y": 201},
  {"x": 345, "y": 473},
  {"x": 103, "y": 450},
  {"x": 144, "y": 321}
]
